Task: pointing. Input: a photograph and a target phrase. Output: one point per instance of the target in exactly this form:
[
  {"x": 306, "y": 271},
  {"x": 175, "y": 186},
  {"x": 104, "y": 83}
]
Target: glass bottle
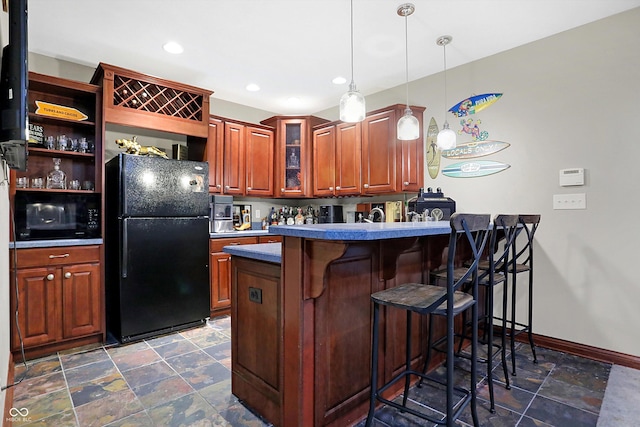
[
  {"x": 57, "y": 179},
  {"x": 299, "y": 219}
]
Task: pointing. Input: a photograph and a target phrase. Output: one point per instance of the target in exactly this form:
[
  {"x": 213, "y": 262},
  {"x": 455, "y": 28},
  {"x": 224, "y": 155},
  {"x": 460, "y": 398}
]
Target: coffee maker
[
  {"x": 330, "y": 214},
  {"x": 221, "y": 214}
]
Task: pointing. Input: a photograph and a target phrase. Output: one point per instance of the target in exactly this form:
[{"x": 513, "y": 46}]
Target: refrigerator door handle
[{"x": 125, "y": 249}]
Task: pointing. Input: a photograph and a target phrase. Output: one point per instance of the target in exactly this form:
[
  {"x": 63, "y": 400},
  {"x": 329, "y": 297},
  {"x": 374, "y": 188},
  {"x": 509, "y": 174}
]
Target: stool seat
[
  {"x": 483, "y": 279},
  {"x": 422, "y": 298}
]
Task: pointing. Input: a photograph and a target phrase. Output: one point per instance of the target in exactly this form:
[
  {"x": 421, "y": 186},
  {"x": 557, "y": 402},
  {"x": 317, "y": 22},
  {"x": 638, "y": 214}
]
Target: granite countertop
[
  {"x": 54, "y": 243},
  {"x": 269, "y": 252},
  {"x": 363, "y": 231}
]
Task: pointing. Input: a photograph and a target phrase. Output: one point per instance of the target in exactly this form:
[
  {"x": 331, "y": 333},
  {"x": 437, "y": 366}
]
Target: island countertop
[
  {"x": 269, "y": 252},
  {"x": 363, "y": 231}
]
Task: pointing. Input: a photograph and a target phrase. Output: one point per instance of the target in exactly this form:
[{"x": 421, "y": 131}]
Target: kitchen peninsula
[{"x": 301, "y": 316}]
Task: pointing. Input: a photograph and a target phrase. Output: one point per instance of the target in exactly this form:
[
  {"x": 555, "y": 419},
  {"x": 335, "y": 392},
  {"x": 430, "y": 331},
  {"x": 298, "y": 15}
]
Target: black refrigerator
[{"x": 156, "y": 245}]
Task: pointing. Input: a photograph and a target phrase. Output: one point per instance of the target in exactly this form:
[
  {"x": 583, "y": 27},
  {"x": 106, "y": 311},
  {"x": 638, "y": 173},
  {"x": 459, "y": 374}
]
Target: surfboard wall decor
[
  {"x": 474, "y": 169},
  {"x": 471, "y": 150},
  {"x": 433, "y": 152},
  {"x": 474, "y": 104}
]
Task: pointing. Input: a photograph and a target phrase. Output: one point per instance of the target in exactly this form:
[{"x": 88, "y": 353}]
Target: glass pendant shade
[
  {"x": 408, "y": 126},
  {"x": 446, "y": 138},
  {"x": 352, "y": 105}
]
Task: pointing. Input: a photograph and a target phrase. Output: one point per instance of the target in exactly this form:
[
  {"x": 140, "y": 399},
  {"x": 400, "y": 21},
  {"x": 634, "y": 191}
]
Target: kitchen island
[{"x": 301, "y": 327}]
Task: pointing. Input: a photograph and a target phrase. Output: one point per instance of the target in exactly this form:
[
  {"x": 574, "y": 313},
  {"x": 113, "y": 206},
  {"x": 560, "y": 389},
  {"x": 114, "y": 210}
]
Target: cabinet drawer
[
  {"x": 269, "y": 239},
  {"x": 216, "y": 245},
  {"x": 40, "y": 257}
]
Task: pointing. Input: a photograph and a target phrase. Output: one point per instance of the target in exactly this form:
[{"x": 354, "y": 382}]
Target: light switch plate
[{"x": 570, "y": 201}]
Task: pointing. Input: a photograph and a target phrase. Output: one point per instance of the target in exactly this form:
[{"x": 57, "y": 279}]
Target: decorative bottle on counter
[{"x": 299, "y": 219}]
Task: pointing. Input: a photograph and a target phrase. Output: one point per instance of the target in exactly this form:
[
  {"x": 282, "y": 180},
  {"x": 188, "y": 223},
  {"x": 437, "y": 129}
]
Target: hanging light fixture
[
  {"x": 408, "y": 125},
  {"x": 446, "y": 137},
  {"x": 352, "y": 105}
]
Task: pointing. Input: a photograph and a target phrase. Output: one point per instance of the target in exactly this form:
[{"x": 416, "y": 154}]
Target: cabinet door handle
[
  {"x": 218, "y": 186},
  {"x": 248, "y": 188},
  {"x": 406, "y": 183},
  {"x": 58, "y": 256},
  {"x": 67, "y": 275},
  {"x": 234, "y": 243},
  {"x": 330, "y": 188},
  {"x": 282, "y": 189},
  {"x": 226, "y": 187},
  {"x": 338, "y": 188},
  {"x": 50, "y": 276},
  {"x": 366, "y": 186}
]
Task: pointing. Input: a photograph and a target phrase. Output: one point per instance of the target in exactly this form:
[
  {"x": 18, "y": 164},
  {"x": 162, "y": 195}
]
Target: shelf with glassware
[{"x": 65, "y": 137}]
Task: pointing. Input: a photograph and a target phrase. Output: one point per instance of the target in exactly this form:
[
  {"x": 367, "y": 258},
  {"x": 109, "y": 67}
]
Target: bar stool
[
  {"x": 492, "y": 272},
  {"x": 522, "y": 262},
  {"x": 472, "y": 230}
]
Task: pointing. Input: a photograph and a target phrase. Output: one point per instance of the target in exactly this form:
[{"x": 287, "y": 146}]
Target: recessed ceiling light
[
  {"x": 173, "y": 47},
  {"x": 252, "y": 87},
  {"x": 339, "y": 80}
]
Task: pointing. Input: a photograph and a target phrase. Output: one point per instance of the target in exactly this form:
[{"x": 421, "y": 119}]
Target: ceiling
[{"x": 294, "y": 48}]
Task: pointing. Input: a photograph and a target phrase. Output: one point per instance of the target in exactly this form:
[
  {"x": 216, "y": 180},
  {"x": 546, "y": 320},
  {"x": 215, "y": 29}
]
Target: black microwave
[{"x": 44, "y": 216}]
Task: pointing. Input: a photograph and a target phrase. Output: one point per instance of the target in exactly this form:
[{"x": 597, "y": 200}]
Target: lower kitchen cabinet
[
  {"x": 59, "y": 299},
  {"x": 220, "y": 269}
]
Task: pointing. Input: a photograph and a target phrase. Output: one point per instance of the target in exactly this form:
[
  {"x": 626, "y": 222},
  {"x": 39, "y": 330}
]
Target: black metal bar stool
[
  {"x": 492, "y": 272},
  {"x": 473, "y": 230},
  {"x": 522, "y": 262}
]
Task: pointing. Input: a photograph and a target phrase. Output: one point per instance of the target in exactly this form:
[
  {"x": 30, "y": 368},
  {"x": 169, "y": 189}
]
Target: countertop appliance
[
  {"x": 43, "y": 216},
  {"x": 330, "y": 214},
  {"x": 156, "y": 245},
  {"x": 221, "y": 214},
  {"x": 438, "y": 206}
]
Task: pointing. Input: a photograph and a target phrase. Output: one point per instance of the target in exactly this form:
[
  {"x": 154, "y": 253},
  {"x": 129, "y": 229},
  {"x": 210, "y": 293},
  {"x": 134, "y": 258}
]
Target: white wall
[
  {"x": 569, "y": 101},
  {"x": 4, "y": 250}
]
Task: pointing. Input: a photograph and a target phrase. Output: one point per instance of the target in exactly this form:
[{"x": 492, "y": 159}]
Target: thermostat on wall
[{"x": 570, "y": 177}]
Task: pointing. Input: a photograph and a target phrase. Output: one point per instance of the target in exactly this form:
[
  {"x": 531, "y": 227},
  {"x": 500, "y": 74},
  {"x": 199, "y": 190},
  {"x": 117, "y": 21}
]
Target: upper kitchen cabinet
[
  {"x": 388, "y": 164},
  {"x": 65, "y": 130},
  {"x": 293, "y": 154},
  {"x": 139, "y": 100},
  {"x": 337, "y": 160},
  {"x": 240, "y": 157},
  {"x": 411, "y": 156}
]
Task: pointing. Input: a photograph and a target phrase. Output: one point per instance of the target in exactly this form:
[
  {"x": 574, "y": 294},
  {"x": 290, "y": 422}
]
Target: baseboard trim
[
  {"x": 8, "y": 397},
  {"x": 582, "y": 350}
]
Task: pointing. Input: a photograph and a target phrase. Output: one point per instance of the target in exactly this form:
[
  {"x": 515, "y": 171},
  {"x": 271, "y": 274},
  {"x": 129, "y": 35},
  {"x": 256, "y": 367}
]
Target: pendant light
[
  {"x": 408, "y": 125},
  {"x": 352, "y": 105},
  {"x": 446, "y": 139}
]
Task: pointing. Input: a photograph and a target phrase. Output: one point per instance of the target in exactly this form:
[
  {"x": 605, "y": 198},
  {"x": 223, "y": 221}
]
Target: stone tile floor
[{"x": 184, "y": 379}]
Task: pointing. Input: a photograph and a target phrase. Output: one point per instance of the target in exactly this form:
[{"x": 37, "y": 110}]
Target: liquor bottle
[
  {"x": 56, "y": 178},
  {"x": 299, "y": 219}
]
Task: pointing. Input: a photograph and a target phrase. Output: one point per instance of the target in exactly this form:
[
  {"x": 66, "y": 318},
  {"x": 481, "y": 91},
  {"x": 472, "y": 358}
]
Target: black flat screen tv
[{"x": 14, "y": 81}]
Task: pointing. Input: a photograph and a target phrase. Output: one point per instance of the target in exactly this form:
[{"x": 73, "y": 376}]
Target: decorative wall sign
[
  {"x": 433, "y": 152},
  {"x": 59, "y": 111},
  {"x": 471, "y": 150},
  {"x": 474, "y": 169},
  {"x": 474, "y": 104}
]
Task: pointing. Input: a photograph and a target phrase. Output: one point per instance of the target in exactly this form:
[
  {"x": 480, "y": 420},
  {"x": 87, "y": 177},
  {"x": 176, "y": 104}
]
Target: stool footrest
[{"x": 464, "y": 397}]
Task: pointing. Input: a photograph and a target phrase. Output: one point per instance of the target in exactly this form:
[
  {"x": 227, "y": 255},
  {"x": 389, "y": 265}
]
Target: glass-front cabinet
[{"x": 293, "y": 154}]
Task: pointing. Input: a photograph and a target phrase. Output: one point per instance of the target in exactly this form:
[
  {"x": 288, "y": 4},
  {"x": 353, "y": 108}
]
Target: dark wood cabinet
[
  {"x": 293, "y": 154},
  {"x": 348, "y": 159},
  {"x": 337, "y": 160},
  {"x": 259, "y": 162},
  {"x": 214, "y": 154},
  {"x": 60, "y": 298},
  {"x": 233, "y": 165},
  {"x": 379, "y": 153},
  {"x": 220, "y": 269},
  {"x": 367, "y": 158}
]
